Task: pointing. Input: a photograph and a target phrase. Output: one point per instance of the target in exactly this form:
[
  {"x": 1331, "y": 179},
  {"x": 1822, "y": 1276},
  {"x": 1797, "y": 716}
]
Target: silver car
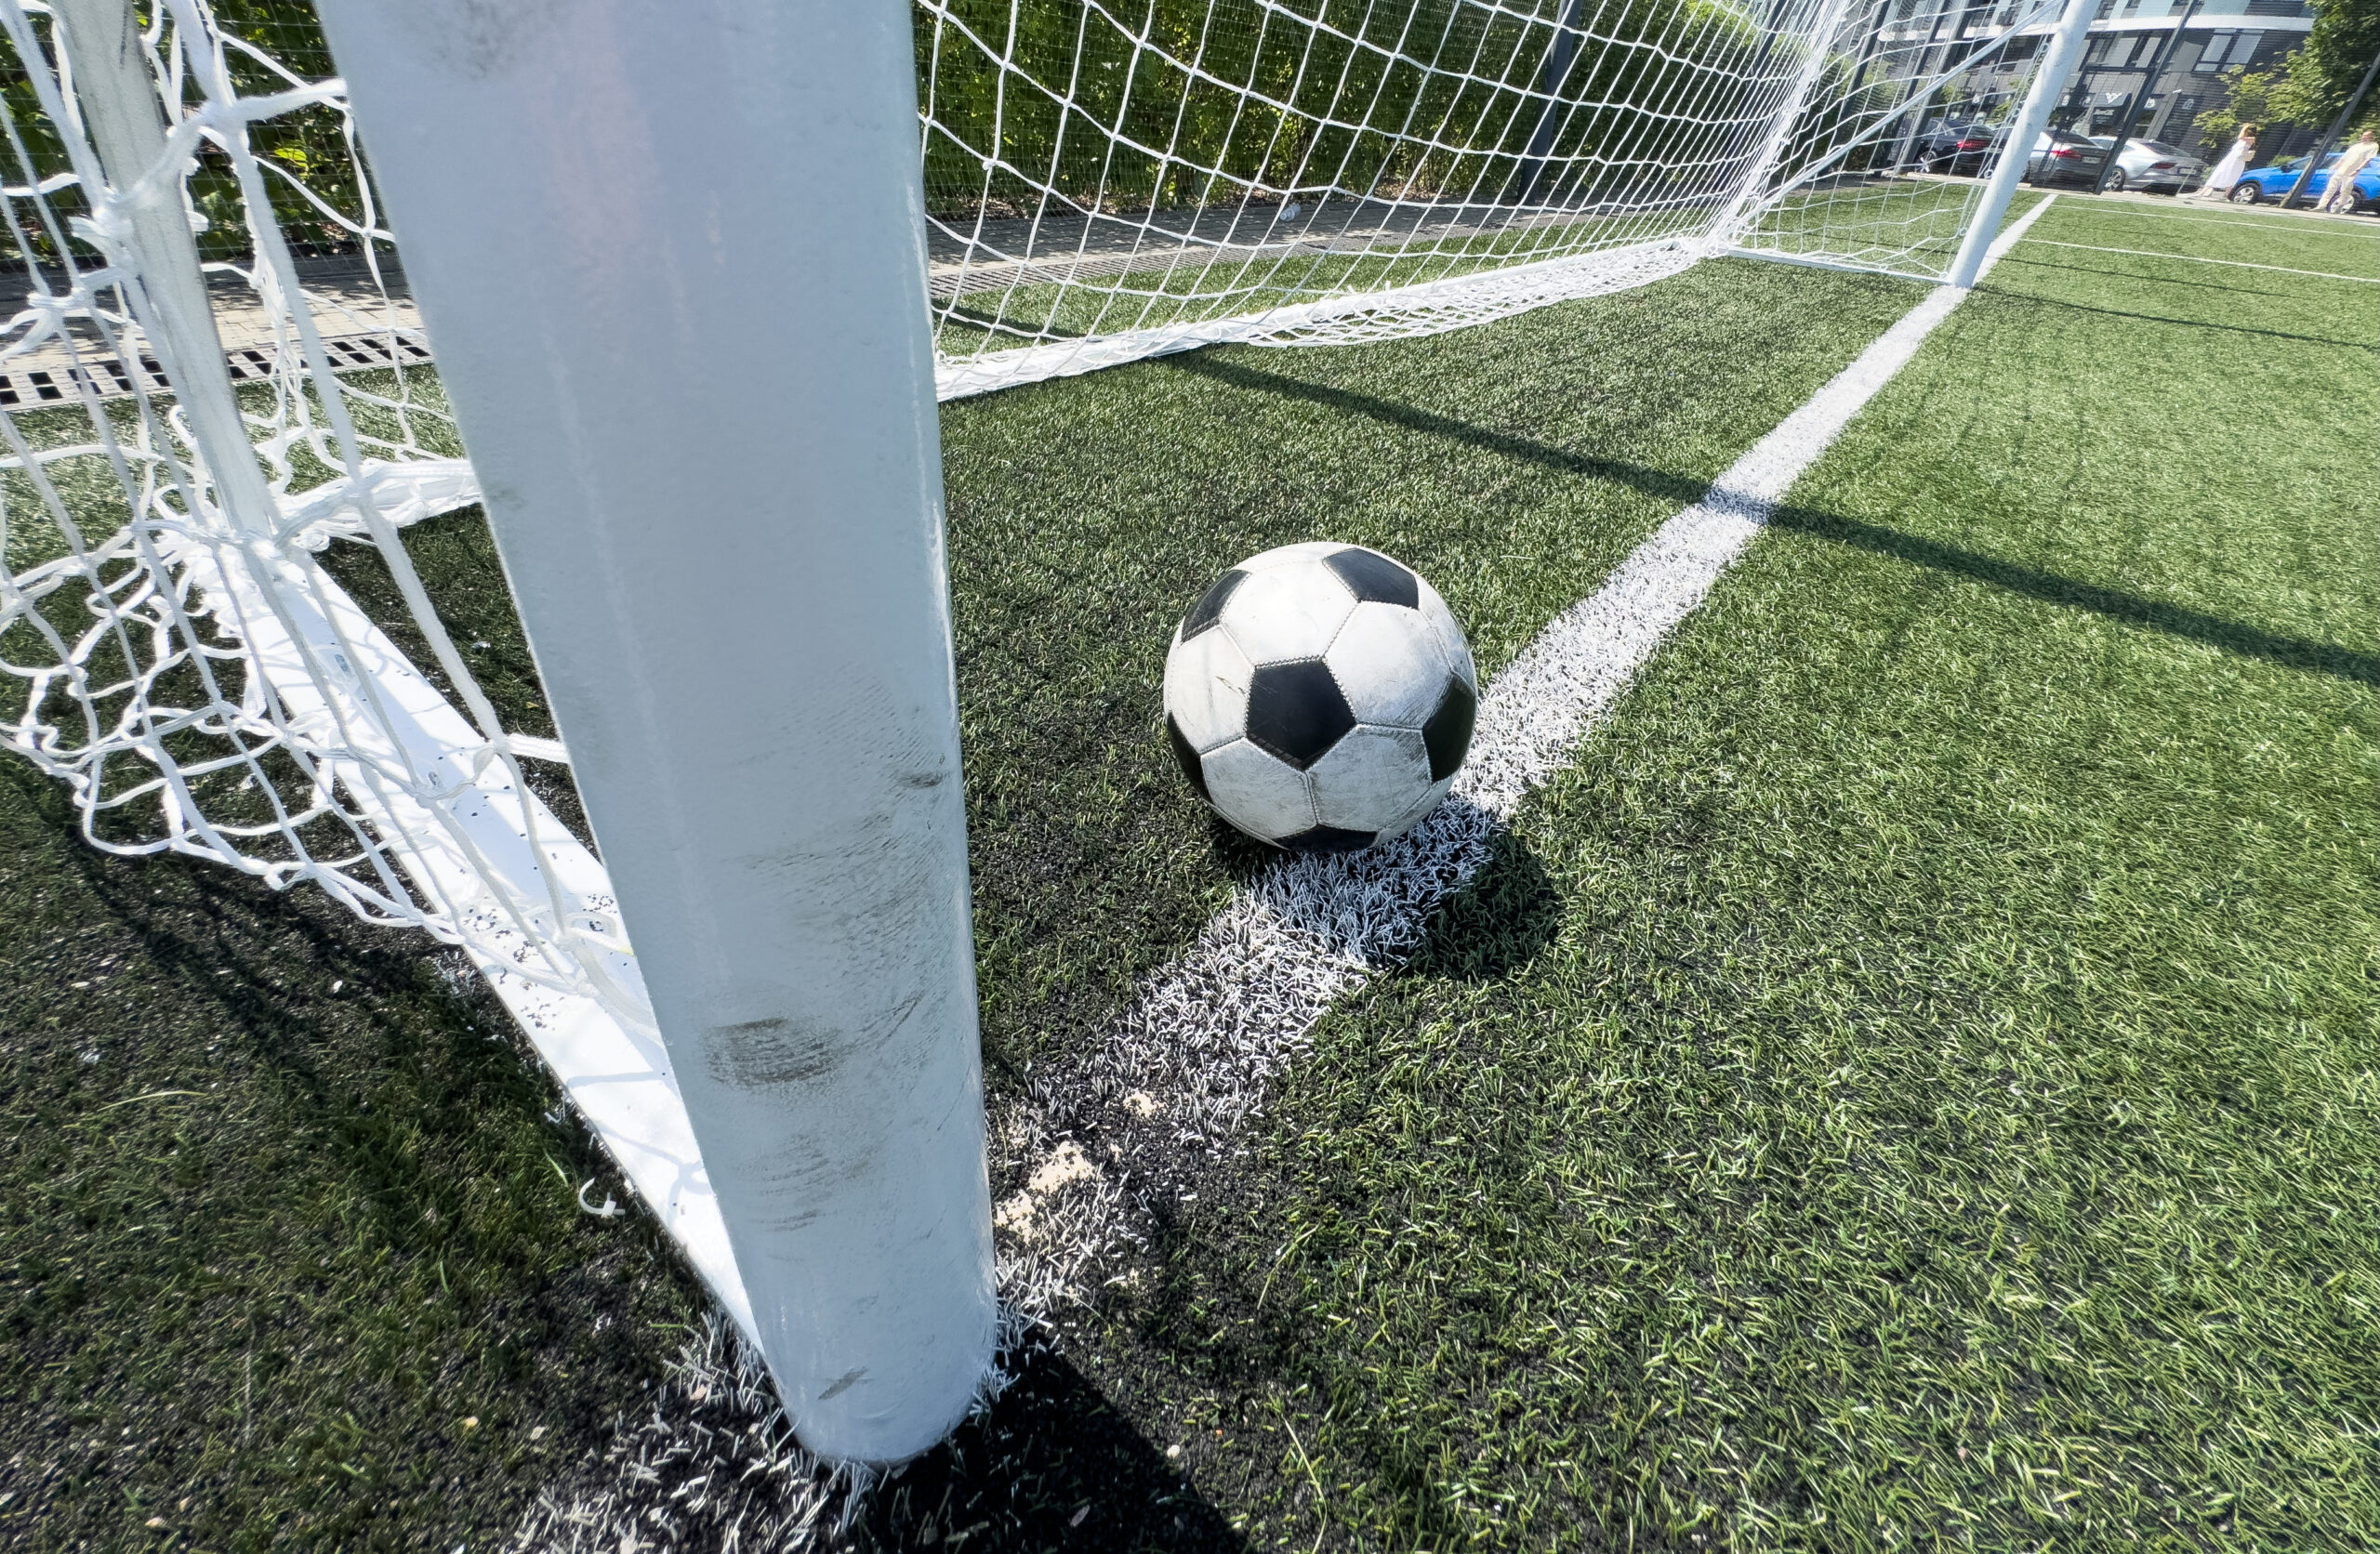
[{"x": 2151, "y": 168}]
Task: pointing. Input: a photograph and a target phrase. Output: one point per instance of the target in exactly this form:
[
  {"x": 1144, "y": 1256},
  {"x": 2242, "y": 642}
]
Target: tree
[
  {"x": 2313, "y": 85},
  {"x": 2324, "y": 72},
  {"x": 2251, "y": 102}
]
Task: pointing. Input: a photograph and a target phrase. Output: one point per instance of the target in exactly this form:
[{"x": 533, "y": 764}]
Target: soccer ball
[{"x": 1320, "y": 697}]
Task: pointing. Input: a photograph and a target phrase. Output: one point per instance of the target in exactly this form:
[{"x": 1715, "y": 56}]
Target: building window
[{"x": 2210, "y": 58}]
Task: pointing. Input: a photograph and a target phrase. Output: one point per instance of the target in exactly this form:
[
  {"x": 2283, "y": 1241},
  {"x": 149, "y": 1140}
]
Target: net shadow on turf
[
  {"x": 2154, "y": 279},
  {"x": 2203, "y": 324},
  {"x": 2115, "y": 604}
]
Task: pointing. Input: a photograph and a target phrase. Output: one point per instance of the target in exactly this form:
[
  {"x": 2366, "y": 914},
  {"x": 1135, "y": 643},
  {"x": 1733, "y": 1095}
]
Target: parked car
[
  {"x": 2061, "y": 158},
  {"x": 1959, "y": 149},
  {"x": 2274, "y": 182},
  {"x": 2151, "y": 168}
]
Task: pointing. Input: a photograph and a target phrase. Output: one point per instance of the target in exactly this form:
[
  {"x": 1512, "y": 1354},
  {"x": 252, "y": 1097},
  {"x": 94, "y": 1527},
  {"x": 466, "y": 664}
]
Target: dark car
[
  {"x": 1947, "y": 146},
  {"x": 2060, "y": 158},
  {"x": 1966, "y": 153}
]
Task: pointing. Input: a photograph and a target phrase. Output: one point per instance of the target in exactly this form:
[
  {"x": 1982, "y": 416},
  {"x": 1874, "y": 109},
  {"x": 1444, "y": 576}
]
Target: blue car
[{"x": 2273, "y": 183}]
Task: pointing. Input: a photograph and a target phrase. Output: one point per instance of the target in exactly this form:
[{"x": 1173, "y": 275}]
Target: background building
[{"x": 2126, "y": 42}]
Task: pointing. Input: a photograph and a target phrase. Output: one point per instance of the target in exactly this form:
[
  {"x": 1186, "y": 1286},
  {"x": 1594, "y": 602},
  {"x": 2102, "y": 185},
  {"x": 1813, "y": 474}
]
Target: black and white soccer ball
[{"x": 1320, "y": 697}]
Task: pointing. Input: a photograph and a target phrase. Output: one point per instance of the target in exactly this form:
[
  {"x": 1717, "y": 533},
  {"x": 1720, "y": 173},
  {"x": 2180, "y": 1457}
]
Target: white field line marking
[
  {"x": 1189, "y": 1061},
  {"x": 2193, "y": 258},
  {"x": 2296, "y": 226}
]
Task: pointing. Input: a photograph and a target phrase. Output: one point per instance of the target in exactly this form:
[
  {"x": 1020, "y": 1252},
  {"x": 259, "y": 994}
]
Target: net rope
[
  {"x": 190, "y": 669},
  {"x": 1105, "y": 181},
  {"x": 187, "y": 473}
]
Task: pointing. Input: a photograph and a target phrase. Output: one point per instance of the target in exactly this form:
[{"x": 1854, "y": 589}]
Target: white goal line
[{"x": 2297, "y": 226}]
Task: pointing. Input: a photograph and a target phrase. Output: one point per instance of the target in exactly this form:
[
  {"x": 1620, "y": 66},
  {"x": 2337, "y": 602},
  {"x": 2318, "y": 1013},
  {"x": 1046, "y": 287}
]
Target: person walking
[
  {"x": 2338, "y": 195},
  {"x": 2219, "y": 183}
]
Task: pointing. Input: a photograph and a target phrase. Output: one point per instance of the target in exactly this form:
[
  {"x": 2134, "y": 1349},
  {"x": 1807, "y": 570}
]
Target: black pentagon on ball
[
  {"x": 1296, "y": 711},
  {"x": 1192, "y": 766},
  {"x": 1210, "y": 608},
  {"x": 1375, "y": 579},
  {"x": 1448, "y": 733},
  {"x": 1327, "y": 838}
]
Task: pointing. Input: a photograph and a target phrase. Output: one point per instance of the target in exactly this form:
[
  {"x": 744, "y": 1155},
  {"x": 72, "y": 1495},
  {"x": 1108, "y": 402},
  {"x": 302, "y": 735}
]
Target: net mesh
[
  {"x": 184, "y": 432},
  {"x": 1109, "y": 181},
  {"x": 1884, "y": 169},
  {"x": 178, "y": 451}
]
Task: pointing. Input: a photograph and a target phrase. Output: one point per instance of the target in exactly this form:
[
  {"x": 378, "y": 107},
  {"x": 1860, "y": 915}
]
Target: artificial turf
[
  {"x": 1514, "y": 464},
  {"x": 1911, "y": 1083},
  {"x": 245, "y": 1285},
  {"x": 289, "y": 1250}
]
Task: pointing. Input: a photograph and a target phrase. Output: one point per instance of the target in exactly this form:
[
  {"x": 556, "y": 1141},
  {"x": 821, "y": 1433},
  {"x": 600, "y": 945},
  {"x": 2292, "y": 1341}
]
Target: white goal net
[
  {"x": 1107, "y": 180},
  {"x": 212, "y": 373}
]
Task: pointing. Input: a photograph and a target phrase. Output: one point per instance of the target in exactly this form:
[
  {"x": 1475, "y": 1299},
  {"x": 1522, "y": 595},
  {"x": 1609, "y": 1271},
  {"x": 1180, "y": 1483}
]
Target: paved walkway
[{"x": 966, "y": 256}]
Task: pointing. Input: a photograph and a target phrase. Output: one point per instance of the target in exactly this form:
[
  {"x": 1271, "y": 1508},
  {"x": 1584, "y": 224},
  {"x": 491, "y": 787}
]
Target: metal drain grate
[{"x": 60, "y": 382}]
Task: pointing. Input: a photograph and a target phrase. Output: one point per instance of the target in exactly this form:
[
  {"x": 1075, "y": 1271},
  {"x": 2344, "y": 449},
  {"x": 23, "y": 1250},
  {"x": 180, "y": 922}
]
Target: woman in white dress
[{"x": 2235, "y": 162}]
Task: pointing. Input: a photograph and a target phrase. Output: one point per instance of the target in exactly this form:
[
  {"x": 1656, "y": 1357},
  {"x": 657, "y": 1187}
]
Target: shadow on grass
[
  {"x": 383, "y": 1090},
  {"x": 1497, "y": 924},
  {"x": 1564, "y": 461},
  {"x": 2176, "y": 620},
  {"x": 330, "y": 1215},
  {"x": 2195, "y": 323},
  {"x": 1051, "y": 1464},
  {"x": 2159, "y": 279}
]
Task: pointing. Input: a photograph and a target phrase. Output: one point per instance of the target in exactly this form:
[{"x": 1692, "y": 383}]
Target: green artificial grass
[
  {"x": 1515, "y": 464},
  {"x": 1912, "y": 1083},
  {"x": 289, "y": 1254}
]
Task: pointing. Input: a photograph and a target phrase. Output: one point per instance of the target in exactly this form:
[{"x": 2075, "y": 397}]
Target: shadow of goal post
[{"x": 669, "y": 254}]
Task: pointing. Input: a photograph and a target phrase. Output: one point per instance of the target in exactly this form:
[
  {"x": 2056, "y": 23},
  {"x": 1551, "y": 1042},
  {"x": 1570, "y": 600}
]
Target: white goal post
[
  {"x": 709, "y": 452},
  {"x": 680, "y": 284}
]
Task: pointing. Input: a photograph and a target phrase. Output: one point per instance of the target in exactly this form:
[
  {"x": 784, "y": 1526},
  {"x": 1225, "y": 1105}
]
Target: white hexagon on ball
[
  {"x": 1370, "y": 779},
  {"x": 1258, "y": 792},
  {"x": 1450, "y": 635},
  {"x": 1287, "y": 612},
  {"x": 1320, "y": 697},
  {"x": 1387, "y": 660},
  {"x": 1206, "y": 689}
]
